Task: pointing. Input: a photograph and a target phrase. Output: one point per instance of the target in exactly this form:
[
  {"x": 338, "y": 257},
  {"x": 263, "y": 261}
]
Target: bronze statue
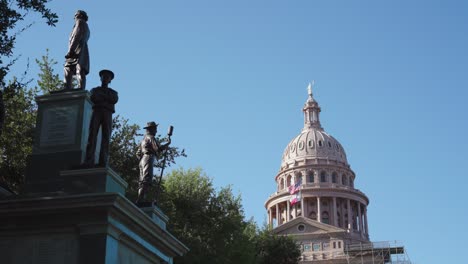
[
  {"x": 77, "y": 57},
  {"x": 104, "y": 99},
  {"x": 148, "y": 150}
]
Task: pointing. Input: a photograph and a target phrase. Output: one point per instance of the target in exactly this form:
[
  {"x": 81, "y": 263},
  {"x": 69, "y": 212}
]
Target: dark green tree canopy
[
  {"x": 212, "y": 224},
  {"x": 12, "y": 12}
]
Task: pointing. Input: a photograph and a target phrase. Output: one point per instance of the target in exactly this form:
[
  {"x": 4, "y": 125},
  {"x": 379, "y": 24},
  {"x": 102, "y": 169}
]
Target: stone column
[
  {"x": 288, "y": 212},
  {"x": 335, "y": 215},
  {"x": 360, "y": 218},
  {"x": 350, "y": 216},
  {"x": 319, "y": 213},
  {"x": 277, "y": 215},
  {"x": 270, "y": 216},
  {"x": 303, "y": 210},
  {"x": 365, "y": 219}
]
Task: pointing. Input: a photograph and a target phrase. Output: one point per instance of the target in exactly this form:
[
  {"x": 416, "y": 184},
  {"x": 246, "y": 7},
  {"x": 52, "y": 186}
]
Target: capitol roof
[{"x": 313, "y": 142}]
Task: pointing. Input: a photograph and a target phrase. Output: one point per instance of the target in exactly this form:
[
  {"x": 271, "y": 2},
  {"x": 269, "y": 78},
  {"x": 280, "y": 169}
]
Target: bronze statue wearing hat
[
  {"x": 77, "y": 57},
  {"x": 148, "y": 150},
  {"x": 104, "y": 99}
]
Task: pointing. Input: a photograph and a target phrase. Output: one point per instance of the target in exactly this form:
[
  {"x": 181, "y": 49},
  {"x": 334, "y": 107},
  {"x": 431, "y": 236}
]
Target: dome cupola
[{"x": 313, "y": 143}]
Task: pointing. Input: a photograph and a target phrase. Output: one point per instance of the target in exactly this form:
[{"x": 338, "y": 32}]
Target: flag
[
  {"x": 295, "y": 198},
  {"x": 296, "y": 187}
]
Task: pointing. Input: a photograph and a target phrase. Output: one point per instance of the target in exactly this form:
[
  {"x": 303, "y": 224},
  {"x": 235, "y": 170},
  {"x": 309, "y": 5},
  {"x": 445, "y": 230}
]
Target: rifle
[{"x": 158, "y": 181}]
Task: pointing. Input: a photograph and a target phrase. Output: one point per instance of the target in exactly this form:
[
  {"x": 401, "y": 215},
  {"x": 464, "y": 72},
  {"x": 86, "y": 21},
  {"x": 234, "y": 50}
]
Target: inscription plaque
[{"x": 59, "y": 126}]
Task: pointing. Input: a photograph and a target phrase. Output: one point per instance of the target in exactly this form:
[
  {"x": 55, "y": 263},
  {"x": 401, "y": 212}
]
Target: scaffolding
[{"x": 376, "y": 253}]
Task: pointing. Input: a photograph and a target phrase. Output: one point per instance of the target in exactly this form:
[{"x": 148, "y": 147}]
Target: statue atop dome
[{"x": 309, "y": 88}]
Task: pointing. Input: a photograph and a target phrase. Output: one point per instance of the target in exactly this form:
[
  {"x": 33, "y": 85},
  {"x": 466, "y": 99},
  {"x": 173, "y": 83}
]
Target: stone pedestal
[
  {"x": 60, "y": 140},
  {"x": 102, "y": 228},
  {"x": 73, "y": 215},
  {"x": 92, "y": 180}
]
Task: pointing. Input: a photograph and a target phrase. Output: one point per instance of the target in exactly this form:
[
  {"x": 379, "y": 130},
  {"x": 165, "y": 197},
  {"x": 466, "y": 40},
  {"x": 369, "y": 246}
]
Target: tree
[
  {"x": 11, "y": 12},
  {"x": 276, "y": 249},
  {"x": 48, "y": 80},
  {"x": 16, "y": 141},
  {"x": 211, "y": 223}
]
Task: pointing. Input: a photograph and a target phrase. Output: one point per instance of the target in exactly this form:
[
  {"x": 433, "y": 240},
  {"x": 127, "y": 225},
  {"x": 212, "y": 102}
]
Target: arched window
[
  {"x": 313, "y": 215},
  {"x": 281, "y": 183},
  {"x": 323, "y": 176},
  {"x": 310, "y": 176},
  {"x": 320, "y": 143},
  {"x": 288, "y": 181},
  {"x": 325, "y": 217},
  {"x": 343, "y": 179},
  {"x": 351, "y": 182},
  {"x": 334, "y": 177}
]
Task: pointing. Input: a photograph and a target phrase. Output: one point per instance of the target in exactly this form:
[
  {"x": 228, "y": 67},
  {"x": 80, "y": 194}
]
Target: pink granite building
[{"x": 317, "y": 202}]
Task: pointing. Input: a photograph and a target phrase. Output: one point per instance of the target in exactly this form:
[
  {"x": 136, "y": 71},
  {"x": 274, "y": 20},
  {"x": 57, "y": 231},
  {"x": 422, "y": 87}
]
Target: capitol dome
[
  {"x": 313, "y": 143},
  {"x": 316, "y": 183}
]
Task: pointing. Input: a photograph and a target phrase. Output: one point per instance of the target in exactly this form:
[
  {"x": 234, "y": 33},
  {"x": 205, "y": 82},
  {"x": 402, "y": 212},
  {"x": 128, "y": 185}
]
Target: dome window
[
  {"x": 325, "y": 217},
  {"x": 311, "y": 144},
  {"x": 323, "y": 177},
  {"x": 313, "y": 215},
  {"x": 293, "y": 147},
  {"x": 320, "y": 143},
  {"x": 311, "y": 177},
  {"x": 343, "y": 179},
  {"x": 334, "y": 177},
  {"x": 329, "y": 144},
  {"x": 301, "y": 228},
  {"x": 301, "y": 145}
]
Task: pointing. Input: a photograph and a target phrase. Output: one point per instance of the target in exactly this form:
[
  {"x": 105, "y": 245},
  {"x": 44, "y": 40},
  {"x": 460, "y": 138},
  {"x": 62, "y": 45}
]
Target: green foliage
[
  {"x": 48, "y": 80},
  {"x": 211, "y": 223},
  {"x": 17, "y": 137},
  {"x": 12, "y": 12},
  {"x": 276, "y": 249},
  {"x": 122, "y": 149}
]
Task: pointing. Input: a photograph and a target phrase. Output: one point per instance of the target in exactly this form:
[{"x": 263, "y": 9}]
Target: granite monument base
[
  {"x": 60, "y": 140},
  {"x": 94, "y": 228},
  {"x": 93, "y": 180}
]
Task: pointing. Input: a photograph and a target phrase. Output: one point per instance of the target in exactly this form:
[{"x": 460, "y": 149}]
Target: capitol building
[{"x": 317, "y": 202}]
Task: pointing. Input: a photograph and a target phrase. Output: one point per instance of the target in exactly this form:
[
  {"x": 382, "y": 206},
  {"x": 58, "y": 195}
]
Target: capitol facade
[{"x": 317, "y": 202}]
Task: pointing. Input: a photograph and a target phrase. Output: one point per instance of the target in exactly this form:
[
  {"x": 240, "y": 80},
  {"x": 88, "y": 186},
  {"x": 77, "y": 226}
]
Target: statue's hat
[
  {"x": 151, "y": 124},
  {"x": 83, "y": 14},
  {"x": 108, "y": 72}
]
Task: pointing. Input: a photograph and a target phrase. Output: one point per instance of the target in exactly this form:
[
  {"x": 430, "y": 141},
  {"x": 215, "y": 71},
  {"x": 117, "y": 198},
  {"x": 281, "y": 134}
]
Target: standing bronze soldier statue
[
  {"x": 148, "y": 150},
  {"x": 77, "y": 57},
  {"x": 104, "y": 99}
]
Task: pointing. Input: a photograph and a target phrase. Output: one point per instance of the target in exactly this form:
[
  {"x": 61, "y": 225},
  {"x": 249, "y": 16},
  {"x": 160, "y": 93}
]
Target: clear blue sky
[{"x": 231, "y": 76}]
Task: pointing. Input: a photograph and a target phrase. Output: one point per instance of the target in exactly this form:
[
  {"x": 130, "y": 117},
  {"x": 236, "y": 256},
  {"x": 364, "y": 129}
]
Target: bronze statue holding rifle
[{"x": 148, "y": 151}]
